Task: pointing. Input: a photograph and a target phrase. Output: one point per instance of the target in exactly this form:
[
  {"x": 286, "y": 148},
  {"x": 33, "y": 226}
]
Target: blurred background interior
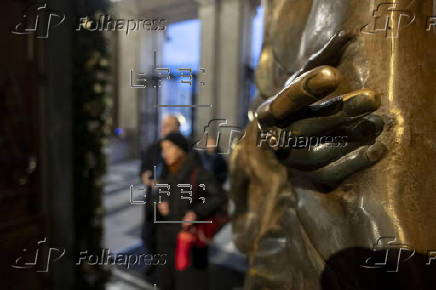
[{"x": 73, "y": 126}]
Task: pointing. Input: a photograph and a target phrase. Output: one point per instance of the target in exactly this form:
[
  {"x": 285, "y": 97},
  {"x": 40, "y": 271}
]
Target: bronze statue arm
[
  {"x": 245, "y": 222},
  {"x": 297, "y": 112}
]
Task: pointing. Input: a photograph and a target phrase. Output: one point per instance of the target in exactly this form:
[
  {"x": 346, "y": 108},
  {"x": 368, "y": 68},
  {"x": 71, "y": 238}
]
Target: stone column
[
  {"x": 234, "y": 35},
  {"x": 207, "y": 94},
  {"x": 225, "y": 39},
  {"x": 127, "y": 111}
]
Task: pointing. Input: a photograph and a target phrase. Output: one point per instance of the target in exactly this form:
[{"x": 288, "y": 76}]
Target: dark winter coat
[{"x": 190, "y": 173}]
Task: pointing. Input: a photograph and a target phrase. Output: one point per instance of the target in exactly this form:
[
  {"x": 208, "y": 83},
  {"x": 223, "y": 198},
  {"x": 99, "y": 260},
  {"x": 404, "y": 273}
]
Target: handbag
[{"x": 199, "y": 235}]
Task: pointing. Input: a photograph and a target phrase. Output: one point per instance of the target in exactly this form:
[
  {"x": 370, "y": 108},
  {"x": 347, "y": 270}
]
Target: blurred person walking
[
  {"x": 151, "y": 157},
  {"x": 182, "y": 171}
]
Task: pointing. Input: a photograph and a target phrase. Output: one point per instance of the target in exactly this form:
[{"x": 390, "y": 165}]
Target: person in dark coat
[
  {"x": 149, "y": 158},
  {"x": 183, "y": 168}
]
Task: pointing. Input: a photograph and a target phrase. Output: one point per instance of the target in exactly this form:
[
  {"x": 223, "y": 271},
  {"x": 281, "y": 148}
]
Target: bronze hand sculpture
[{"x": 308, "y": 218}]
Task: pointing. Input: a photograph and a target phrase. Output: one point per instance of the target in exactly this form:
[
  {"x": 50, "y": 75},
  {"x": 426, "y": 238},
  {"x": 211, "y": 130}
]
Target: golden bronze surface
[{"x": 298, "y": 211}]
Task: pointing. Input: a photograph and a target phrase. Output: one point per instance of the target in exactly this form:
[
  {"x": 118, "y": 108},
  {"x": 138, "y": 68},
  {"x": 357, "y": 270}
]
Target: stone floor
[{"x": 123, "y": 220}]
